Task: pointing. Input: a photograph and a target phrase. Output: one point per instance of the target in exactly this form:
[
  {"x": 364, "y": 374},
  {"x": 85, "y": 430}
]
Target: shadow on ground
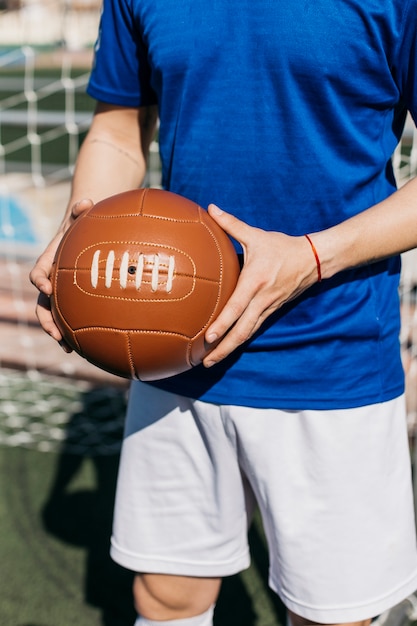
[{"x": 83, "y": 517}]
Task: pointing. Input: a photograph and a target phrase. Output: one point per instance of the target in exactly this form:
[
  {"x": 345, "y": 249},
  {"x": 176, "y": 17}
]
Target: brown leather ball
[{"x": 137, "y": 280}]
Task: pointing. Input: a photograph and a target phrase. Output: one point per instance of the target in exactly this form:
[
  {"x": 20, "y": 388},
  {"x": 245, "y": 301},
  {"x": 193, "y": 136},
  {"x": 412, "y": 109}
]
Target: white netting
[{"x": 40, "y": 126}]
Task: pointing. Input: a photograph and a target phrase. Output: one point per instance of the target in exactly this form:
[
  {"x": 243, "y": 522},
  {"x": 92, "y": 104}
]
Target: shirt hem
[
  {"x": 302, "y": 402},
  {"x": 118, "y": 99}
]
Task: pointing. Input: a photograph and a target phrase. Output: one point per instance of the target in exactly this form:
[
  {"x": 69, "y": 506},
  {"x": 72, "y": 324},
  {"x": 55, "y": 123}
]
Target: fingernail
[
  {"x": 216, "y": 209},
  {"x": 211, "y": 338}
]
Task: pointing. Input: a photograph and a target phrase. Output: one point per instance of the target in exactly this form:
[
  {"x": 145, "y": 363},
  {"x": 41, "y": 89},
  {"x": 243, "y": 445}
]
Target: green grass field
[{"x": 59, "y": 453}]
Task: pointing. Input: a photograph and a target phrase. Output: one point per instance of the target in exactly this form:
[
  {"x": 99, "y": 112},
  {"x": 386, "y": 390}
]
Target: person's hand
[
  {"x": 277, "y": 268},
  {"x": 39, "y": 275}
]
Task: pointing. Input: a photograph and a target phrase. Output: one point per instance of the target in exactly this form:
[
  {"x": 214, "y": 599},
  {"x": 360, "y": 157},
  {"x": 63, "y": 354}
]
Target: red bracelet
[{"x": 316, "y": 256}]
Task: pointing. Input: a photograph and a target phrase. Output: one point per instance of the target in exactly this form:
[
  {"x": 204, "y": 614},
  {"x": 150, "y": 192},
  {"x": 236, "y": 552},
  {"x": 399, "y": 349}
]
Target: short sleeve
[{"x": 120, "y": 73}]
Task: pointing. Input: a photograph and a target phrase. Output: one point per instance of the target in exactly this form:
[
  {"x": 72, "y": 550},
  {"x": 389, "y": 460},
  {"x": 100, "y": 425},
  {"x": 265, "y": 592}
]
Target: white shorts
[{"x": 333, "y": 488}]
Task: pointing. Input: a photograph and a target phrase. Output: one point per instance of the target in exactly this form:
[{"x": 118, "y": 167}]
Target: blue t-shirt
[{"x": 285, "y": 114}]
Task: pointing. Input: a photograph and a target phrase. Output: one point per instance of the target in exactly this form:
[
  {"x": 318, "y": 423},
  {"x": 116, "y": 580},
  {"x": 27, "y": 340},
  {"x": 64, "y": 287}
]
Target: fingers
[
  {"x": 44, "y": 315},
  {"x": 276, "y": 269},
  {"x": 237, "y": 322},
  {"x": 241, "y": 316},
  {"x": 237, "y": 306},
  {"x": 39, "y": 277},
  {"x": 231, "y": 225},
  {"x": 233, "y": 311},
  {"x": 40, "y": 273},
  {"x": 80, "y": 207}
]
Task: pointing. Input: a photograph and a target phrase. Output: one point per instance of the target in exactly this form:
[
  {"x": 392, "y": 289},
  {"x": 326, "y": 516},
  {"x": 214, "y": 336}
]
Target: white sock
[{"x": 205, "y": 619}]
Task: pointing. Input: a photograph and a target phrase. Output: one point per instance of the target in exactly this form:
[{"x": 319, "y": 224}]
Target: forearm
[
  {"x": 112, "y": 159},
  {"x": 105, "y": 167},
  {"x": 113, "y": 156},
  {"x": 384, "y": 230}
]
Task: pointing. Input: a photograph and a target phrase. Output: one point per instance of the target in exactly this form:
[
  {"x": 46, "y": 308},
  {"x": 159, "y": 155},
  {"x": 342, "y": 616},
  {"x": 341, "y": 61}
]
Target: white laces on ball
[{"x": 128, "y": 269}]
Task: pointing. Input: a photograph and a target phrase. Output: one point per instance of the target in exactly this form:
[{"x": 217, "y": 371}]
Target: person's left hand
[{"x": 277, "y": 268}]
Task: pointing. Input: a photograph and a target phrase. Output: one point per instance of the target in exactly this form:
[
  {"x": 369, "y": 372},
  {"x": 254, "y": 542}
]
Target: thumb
[
  {"x": 80, "y": 207},
  {"x": 229, "y": 223}
]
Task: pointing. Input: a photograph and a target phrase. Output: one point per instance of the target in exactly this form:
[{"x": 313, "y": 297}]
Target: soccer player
[{"x": 282, "y": 118}]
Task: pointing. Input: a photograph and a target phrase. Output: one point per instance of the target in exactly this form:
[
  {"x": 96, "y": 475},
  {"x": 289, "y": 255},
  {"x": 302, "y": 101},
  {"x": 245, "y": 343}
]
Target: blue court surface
[{"x": 15, "y": 224}]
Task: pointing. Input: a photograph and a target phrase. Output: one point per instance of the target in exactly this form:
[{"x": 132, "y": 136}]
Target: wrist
[
  {"x": 334, "y": 251},
  {"x": 316, "y": 257}
]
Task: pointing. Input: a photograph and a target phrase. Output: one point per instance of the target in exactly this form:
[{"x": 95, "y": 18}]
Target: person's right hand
[{"x": 39, "y": 275}]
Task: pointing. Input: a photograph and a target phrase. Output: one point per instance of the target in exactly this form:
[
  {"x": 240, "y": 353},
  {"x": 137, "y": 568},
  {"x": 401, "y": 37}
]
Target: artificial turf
[{"x": 56, "y": 507}]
